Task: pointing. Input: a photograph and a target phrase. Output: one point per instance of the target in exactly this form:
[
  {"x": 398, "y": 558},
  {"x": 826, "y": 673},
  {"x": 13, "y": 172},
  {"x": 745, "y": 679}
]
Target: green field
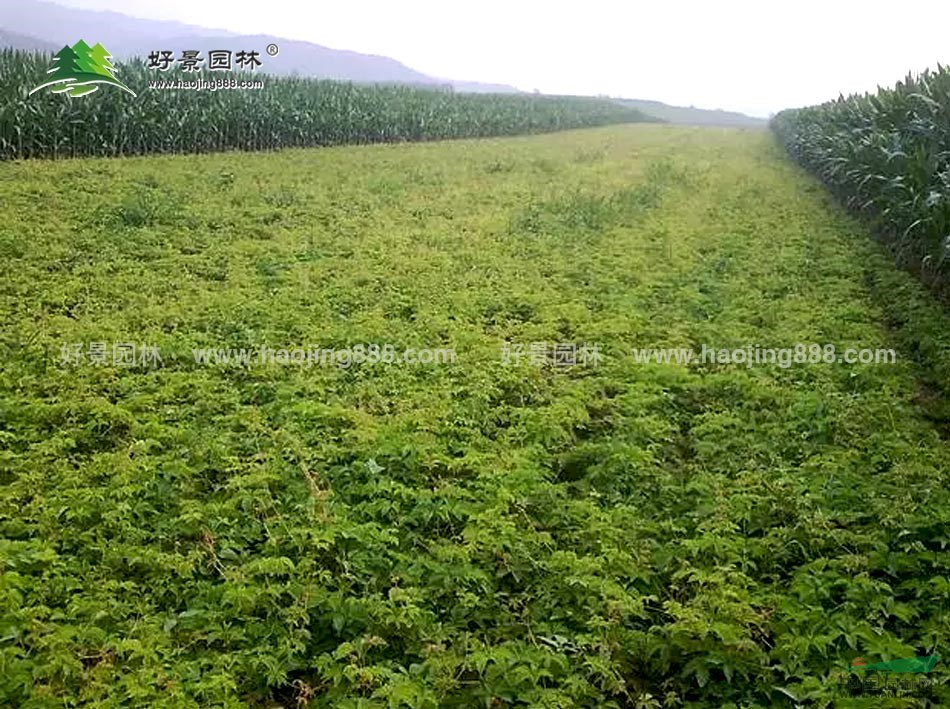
[{"x": 481, "y": 532}]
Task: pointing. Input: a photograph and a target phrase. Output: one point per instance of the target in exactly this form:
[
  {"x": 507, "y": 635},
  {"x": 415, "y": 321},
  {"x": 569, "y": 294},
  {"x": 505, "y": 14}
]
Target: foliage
[
  {"x": 472, "y": 534},
  {"x": 887, "y": 155},
  {"x": 287, "y": 112}
]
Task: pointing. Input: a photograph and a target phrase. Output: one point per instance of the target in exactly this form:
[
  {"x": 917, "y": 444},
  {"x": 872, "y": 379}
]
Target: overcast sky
[{"x": 754, "y": 57}]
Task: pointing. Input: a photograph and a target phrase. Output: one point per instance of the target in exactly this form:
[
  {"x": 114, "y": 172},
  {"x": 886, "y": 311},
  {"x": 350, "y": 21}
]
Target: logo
[
  {"x": 78, "y": 71},
  {"x": 915, "y": 665},
  {"x": 903, "y": 677}
]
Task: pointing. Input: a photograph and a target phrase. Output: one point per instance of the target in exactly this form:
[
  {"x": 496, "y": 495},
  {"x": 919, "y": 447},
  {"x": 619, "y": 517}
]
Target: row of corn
[
  {"x": 887, "y": 156},
  {"x": 286, "y": 112}
]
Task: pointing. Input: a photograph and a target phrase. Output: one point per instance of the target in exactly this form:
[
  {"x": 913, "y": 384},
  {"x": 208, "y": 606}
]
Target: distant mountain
[
  {"x": 23, "y": 41},
  {"x": 476, "y": 87},
  {"x": 126, "y": 36},
  {"x": 694, "y": 116},
  {"x": 64, "y": 25}
]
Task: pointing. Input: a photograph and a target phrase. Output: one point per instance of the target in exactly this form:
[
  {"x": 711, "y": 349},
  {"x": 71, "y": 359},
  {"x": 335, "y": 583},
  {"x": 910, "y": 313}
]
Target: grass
[{"x": 475, "y": 533}]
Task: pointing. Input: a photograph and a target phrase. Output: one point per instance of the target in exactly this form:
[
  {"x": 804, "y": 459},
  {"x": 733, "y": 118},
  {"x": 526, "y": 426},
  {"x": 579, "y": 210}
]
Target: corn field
[
  {"x": 887, "y": 156},
  {"x": 287, "y": 112}
]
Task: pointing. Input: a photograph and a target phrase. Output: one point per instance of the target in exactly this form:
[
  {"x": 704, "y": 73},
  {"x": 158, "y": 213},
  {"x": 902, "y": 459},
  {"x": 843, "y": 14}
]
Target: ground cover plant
[
  {"x": 482, "y": 532},
  {"x": 287, "y": 112},
  {"x": 887, "y": 156}
]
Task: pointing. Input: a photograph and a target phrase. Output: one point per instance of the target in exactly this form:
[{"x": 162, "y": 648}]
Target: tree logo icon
[{"x": 78, "y": 70}]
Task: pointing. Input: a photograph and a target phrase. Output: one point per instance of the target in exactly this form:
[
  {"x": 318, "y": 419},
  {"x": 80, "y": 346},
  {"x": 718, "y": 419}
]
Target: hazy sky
[{"x": 755, "y": 57}]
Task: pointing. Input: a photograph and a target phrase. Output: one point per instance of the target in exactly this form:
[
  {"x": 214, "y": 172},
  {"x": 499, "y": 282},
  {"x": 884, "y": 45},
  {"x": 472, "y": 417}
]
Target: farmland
[{"x": 480, "y": 532}]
